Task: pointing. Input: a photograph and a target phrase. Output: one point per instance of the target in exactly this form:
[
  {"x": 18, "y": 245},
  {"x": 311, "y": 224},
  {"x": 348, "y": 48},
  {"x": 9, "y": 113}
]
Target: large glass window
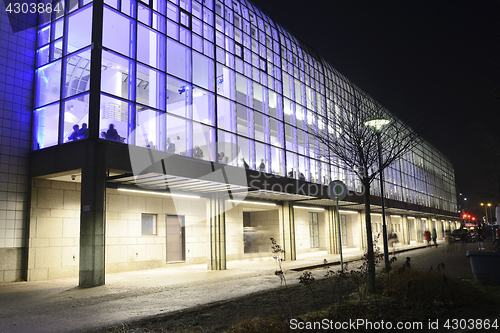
[
  {"x": 45, "y": 123},
  {"x": 77, "y": 73},
  {"x": 150, "y": 87},
  {"x": 242, "y": 94},
  {"x": 179, "y": 135},
  {"x": 79, "y": 29},
  {"x": 225, "y": 82},
  {"x": 48, "y": 84},
  {"x": 115, "y": 75},
  {"x": 151, "y": 47},
  {"x": 114, "y": 124},
  {"x": 203, "y": 71},
  {"x": 179, "y": 95},
  {"x": 75, "y": 114},
  {"x": 244, "y": 120},
  {"x": 227, "y": 147},
  {"x": 203, "y": 106},
  {"x": 150, "y": 129},
  {"x": 178, "y": 60},
  {"x": 226, "y": 114},
  {"x": 246, "y": 150},
  {"x": 118, "y": 32},
  {"x": 203, "y": 142}
]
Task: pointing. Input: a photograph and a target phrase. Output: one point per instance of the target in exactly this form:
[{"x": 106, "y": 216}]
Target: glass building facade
[{"x": 180, "y": 74}]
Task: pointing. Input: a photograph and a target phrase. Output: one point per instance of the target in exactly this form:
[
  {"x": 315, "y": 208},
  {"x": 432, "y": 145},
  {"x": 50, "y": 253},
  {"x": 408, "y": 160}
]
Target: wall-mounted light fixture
[
  {"x": 309, "y": 208},
  {"x": 253, "y": 202},
  {"x": 160, "y": 193},
  {"x": 348, "y": 212}
]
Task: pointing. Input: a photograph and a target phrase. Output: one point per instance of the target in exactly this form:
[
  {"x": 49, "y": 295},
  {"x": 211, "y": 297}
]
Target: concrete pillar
[
  {"x": 217, "y": 232},
  {"x": 363, "y": 241},
  {"x": 287, "y": 231},
  {"x": 405, "y": 226},
  {"x": 333, "y": 233},
  {"x": 92, "y": 220}
]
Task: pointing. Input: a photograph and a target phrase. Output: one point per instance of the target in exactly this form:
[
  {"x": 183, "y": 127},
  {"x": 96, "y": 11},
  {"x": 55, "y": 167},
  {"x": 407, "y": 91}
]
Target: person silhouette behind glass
[
  {"x": 262, "y": 166},
  {"x": 74, "y": 134},
  {"x": 197, "y": 152},
  {"x": 112, "y": 134},
  {"x": 170, "y": 146},
  {"x": 83, "y": 132}
]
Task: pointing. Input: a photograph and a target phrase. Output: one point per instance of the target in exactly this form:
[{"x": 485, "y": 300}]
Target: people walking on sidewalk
[
  {"x": 434, "y": 236},
  {"x": 427, "y": 236}
]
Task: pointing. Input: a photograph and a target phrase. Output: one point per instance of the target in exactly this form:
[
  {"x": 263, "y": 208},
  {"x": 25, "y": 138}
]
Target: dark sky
[{"x": 435, "y": 58}]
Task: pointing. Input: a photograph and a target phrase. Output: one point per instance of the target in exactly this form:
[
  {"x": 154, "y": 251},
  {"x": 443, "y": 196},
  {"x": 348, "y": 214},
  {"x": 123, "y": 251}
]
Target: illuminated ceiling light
[
  {"x": 160, "y": 193},
  {"x": 310, "y": 208},
  {"x": 376, "y": 214},
  {"x": 395, "y": 215},
  {"x": 348, "y": 212},
  {"x": 253, "y": 202},
  {"x": 411, "y": 217}
]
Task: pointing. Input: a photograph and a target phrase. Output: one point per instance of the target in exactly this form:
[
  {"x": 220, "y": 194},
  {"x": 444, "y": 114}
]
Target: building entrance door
[{"x": 175, "y": 238}]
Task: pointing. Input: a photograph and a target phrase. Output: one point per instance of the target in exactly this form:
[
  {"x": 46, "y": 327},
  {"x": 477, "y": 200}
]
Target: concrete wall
[
  {"x": 128, "y": 250},
  {"x": 17, "y": 60},
  {"x": 302, "y": 232},
  {"x": 54, "y": 230},
  {"x": 353, "y": 223}
]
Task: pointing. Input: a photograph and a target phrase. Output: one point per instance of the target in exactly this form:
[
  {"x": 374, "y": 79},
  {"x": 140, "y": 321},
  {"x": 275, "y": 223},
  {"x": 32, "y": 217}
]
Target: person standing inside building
[
  {"x": 223, "y": 158},
  {"x": 112, "y": 134},
  {"x": 170, "y": 146},
  {"x": 74, "y": 134},
  {"x": 83, "y": 133},
  {"x": 262, "y": 166},
  {"x": 198, "y": 153}
]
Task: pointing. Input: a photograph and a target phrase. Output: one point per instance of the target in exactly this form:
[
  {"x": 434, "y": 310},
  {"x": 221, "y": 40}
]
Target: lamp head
[{"x": 377, "y": 123}]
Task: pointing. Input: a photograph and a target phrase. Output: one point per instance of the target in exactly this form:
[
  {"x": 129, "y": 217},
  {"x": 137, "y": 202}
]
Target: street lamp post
[
  {"x": 485, "y": 211},
  {"x": 377, "y": 124},
  {"x": 491, "y": 215}
]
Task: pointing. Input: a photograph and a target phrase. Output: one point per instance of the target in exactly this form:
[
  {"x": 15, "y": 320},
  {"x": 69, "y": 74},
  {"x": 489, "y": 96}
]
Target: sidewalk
[{"x": 61, "y": 306}]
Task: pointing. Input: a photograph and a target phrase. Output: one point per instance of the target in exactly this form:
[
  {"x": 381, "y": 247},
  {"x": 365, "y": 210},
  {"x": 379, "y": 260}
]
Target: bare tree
[{"x": 348, "y": 143}]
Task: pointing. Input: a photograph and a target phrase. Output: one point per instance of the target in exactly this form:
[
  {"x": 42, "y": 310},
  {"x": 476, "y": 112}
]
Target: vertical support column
[
  {"x": 420, "y": 232},
  {"x": 95, "y": 73},
  {"x": 406, "y": 230},
  {"x": 362, "y": 233},
  {"x": 331, "y": 221},
  {"x": 217, "y": 232},
  {"x": 287, "y": 231},
  {"x": 441, "y": 229},
  {"x": 93, "y": 219}
]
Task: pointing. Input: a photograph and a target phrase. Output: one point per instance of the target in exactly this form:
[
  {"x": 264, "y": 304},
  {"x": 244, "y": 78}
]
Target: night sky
[{"x": 434, "y": 58}]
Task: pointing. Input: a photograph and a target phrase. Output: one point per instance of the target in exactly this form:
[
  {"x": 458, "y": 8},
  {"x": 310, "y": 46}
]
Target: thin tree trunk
[{"x": 369, "y": 238}]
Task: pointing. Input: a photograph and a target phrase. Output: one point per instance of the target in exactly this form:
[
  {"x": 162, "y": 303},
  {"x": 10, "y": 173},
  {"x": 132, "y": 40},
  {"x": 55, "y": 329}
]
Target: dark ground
[{"x": 219, "y": 316}]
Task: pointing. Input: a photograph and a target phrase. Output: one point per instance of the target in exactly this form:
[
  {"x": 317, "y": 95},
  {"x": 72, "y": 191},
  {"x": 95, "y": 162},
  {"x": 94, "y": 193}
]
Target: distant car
[{"x": 471, "y": 235}]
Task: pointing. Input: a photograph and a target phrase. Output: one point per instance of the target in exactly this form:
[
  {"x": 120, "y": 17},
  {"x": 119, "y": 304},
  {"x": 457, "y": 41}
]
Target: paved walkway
[{"x": 61, "y": 306}]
